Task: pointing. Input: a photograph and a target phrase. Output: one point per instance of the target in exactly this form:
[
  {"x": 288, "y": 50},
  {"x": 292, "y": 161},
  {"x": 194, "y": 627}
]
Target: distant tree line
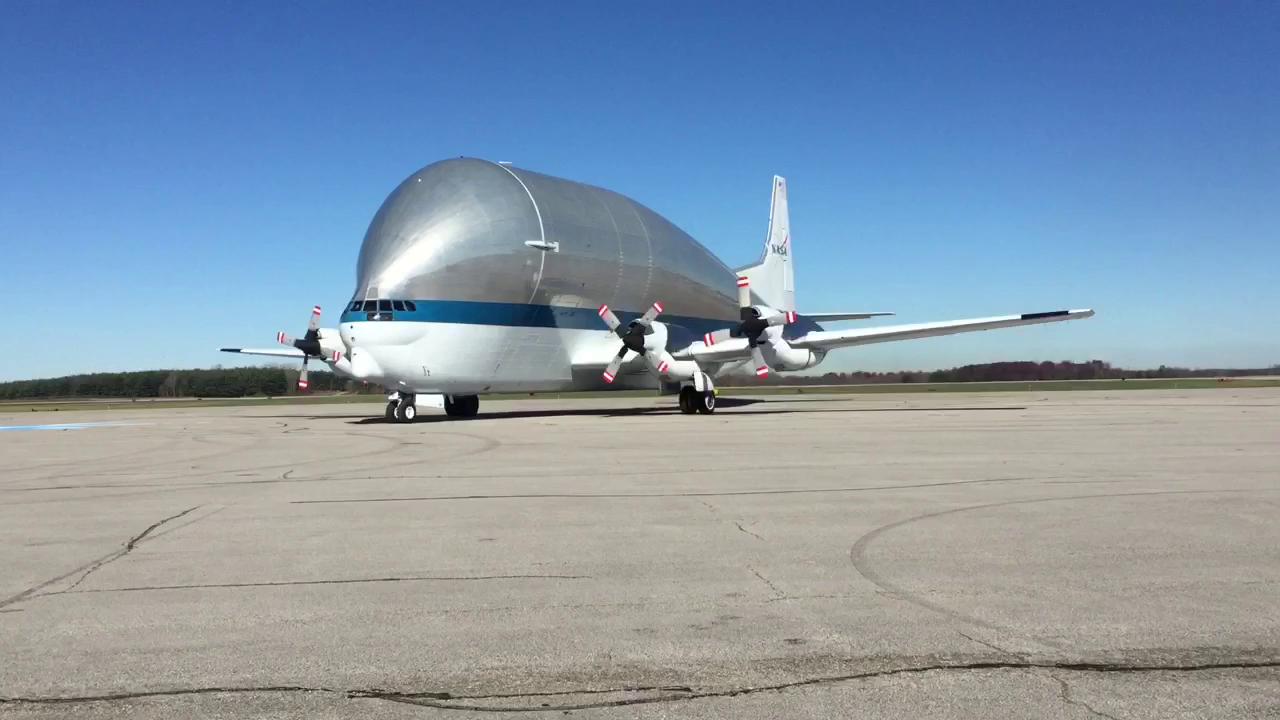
[
  {"x": 214, "y": 383},
  {"x": 1019, "y": 371},
  {"x": 277, "y": 381}
]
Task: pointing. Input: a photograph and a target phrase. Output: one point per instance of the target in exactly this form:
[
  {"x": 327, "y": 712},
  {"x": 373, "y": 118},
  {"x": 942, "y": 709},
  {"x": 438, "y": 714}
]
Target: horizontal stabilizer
[
  {"x": 832, "y": 317},
  {"x": 829, "y": 339},
  {"x": 289, "y": 352}
]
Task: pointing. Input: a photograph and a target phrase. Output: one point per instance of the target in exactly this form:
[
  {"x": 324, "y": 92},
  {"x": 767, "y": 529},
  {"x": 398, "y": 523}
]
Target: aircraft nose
[{"x": 363, "y": 365}]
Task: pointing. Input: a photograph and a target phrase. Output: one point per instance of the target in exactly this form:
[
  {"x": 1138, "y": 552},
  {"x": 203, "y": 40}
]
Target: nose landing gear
[{"x": 401, "y": 408}]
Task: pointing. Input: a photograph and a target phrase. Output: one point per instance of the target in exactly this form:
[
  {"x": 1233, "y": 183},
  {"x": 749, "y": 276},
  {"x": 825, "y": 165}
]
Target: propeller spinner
[
  {"x": 752, "y": 326},
  {"x": 632, "y": 336},
  {"x": 309, "y": 344}
]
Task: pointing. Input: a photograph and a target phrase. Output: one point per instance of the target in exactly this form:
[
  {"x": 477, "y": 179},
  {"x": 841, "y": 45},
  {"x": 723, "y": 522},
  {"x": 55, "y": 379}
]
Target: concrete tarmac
[{"x": 1106, "y": 554}]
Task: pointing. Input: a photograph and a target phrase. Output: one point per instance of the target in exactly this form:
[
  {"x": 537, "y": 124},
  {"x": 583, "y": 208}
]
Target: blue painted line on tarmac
[{"x": 62, "y": 426}]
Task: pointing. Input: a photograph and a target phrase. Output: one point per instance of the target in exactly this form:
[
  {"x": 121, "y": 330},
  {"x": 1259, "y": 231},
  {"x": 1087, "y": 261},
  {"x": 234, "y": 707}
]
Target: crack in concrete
[
  {"x": 778, "y": 594},
  {"x": 739, "y": 526},
  {"x": 340, "y": 581},
  {"x": 993, "y": 646},
  {"x": 89, "y": 567},
  {"x": 442, "y": 699},
  {"x": 128, "y": 547},
  {"x": 1065, "y": 694}
]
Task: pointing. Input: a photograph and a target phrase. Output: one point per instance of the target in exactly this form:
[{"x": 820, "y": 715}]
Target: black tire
[
  {"x": 391, "y": 411},
  {"x": 462, "y": 406},
  {"x": 688, "y": 400},
  {"x": 400, "y": 412},
  {"x": 706, "y": 402}
]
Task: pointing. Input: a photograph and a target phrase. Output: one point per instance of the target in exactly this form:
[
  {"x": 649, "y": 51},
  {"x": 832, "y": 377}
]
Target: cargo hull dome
[{"x": 459, "y": 230}]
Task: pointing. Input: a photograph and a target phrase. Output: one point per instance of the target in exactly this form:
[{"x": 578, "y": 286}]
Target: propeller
[
  {"x": 309, "y": 344},
  {"x": 752, "y": 325},
  {"x": 632, "y": 336}
]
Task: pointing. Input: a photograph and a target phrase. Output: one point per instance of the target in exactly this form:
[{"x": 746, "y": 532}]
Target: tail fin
[{"x": 773, "y": 278}]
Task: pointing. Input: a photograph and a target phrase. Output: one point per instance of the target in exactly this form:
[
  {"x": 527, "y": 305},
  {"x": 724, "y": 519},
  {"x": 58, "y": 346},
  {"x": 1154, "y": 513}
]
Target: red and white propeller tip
[{"x": 608, "y": 376}]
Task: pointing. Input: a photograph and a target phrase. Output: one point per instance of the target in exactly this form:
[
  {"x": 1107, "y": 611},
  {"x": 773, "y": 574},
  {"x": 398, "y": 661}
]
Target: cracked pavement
[{"x": 1076, "y": 555}]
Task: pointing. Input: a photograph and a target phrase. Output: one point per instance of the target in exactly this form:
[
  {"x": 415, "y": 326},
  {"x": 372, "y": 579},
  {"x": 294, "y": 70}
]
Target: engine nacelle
[{"x": 783, "y": 357}]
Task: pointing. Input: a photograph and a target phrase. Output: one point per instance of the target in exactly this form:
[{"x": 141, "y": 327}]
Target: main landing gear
[
  {"x": 692, "y": 401},
  {"x": 698, "y": 395},
  {"x": 403, "y": 408},
  {"x": 461, "y": 405}
]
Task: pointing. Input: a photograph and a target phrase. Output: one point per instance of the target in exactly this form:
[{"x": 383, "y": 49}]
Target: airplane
[{"x": 479, "y": 277}]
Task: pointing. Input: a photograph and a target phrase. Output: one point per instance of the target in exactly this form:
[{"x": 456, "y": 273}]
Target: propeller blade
[
  {"x": 718, "y": 336},
  {"x": 302, "y": 377},
  {"x": 611, "y": 372},
  {"x": 283, "y": 339},
  {"x": 609, "y": 318},
  {"x": 757, "y": 357},
  {"x": 314, "y": 323},
  {"x": 744, "y": 291},
  {"x": 651, "y": 314},
  {"x": 337, "y": 356}
]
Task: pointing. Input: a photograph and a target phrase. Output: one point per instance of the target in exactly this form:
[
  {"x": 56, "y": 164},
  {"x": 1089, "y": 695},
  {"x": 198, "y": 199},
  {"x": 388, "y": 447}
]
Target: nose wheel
[{"x": 402, "y": 409}]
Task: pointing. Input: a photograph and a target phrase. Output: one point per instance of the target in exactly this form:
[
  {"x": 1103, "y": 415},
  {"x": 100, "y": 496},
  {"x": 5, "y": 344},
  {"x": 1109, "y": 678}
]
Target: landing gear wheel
[
  {"x": 406, "y": 409},
  {"x": 689, "y": 400},
  {"x": 391, "y": 411},
  {"x": 706, "y": 402},
  {"x": 461, "y": 405}
]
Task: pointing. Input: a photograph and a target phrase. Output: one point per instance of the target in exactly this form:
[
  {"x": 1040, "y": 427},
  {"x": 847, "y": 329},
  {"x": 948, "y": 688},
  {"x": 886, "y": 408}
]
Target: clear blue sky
[{"x": 175, "y": 177}]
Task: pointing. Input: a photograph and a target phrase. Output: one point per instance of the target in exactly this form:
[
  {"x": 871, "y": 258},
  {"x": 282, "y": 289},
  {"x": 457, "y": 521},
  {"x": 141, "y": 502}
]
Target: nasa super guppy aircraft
[{"x": 478, "y": 277}]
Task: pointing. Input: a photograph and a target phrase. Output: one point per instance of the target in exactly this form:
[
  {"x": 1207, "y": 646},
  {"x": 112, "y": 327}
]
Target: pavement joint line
[
  {"x": 340, "y": 581},
  {"x": 728, "y": 493},
  {"x": 445, "y": 700}
]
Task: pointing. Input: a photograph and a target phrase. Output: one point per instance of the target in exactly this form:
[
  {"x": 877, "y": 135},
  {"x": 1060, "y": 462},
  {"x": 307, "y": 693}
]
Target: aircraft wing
[
  {"x": 830, "y": 339},
  {"x": 289, "y": 352},
  {"x": 832, "y": 317}
]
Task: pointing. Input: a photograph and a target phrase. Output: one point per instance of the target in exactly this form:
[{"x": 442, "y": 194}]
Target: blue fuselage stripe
[{"x": 468, "y": 312}]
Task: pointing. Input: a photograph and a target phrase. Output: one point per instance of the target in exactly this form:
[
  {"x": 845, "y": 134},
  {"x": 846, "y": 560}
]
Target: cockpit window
[
  {"x": 370, "y": 305},
  {"x": 398, "y": 304},
  {"x": 355, "y": 306},
  {"x": 409, "y": 304},
  {"x": 384, "y": 305}
]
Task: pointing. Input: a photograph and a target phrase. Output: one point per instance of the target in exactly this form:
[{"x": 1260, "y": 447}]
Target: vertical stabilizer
[{"x": 773, "y": 278}]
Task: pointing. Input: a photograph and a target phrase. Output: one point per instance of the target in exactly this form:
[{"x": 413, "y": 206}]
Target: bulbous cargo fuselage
[{"x": 481, "y": 277}]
